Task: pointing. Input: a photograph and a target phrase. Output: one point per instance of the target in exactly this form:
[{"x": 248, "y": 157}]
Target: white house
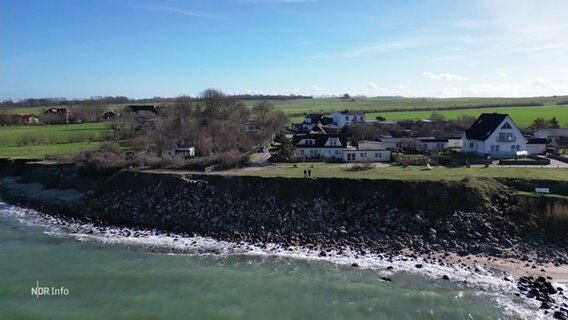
[
  {"x": 316, "y": 146},
  {"x": 454, "y": 142},
  {"x": 179, "y": 153},
  {"x": 367, "y": 151},
  {"x": 347, "y": 118},
  {"x": 494, "y": 135},
  {"x": 392, "y": 143},
  {"x": 556, "y": 137},
  {"x": 432, "y": 144},
  {"x": 536, "y": 145}
]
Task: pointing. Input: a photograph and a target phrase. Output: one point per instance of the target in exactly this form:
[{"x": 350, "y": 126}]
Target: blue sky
[{"x": 83, "y": 48}]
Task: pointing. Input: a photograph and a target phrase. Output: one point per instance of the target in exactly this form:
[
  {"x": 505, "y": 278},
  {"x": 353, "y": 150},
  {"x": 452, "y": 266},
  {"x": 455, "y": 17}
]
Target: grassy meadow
[
  {"x": 320, "y": 170},
  {"x": 34, "y": 142}
]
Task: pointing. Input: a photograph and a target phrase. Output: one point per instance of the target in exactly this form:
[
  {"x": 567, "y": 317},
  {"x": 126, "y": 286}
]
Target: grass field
[
  {"x": 54, "y": 139},
  {"x": 408, "y": 173},
  {"x": 11, "y": 136},
  {"x": 523, "y": 116},
  {"x": 38, "y": 152},
  {"x": 396, "y": 104}
]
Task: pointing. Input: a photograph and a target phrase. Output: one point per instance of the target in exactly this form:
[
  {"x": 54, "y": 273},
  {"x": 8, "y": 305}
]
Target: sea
[{"x": 55, "y": 269}]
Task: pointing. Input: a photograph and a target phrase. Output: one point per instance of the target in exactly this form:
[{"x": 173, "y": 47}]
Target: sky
[{"x": 168, "y": 48}]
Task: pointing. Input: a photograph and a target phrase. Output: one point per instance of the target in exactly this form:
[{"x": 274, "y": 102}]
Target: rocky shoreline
[{"x": 364, "y": 218}]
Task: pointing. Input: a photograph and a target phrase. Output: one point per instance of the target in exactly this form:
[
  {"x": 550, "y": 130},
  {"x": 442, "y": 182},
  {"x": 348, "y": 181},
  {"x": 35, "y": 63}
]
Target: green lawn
[
  {"x": 12, "y": 135},
  {"x": 523, "y": 116},
  {"x": 409, "y": 173},
  {"x": 49, "y": 139},
  {"x": 395, "y": 104},
  {"x": 39, "y": 151}
]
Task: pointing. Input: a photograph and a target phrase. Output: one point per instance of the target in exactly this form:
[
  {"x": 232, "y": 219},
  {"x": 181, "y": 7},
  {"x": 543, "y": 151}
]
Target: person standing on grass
[
  {"x": 309, "y": 173},
  {"x": 305, "y": 174}
]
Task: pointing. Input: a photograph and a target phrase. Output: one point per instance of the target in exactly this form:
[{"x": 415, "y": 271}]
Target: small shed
[{"x": 179, "y": 153}]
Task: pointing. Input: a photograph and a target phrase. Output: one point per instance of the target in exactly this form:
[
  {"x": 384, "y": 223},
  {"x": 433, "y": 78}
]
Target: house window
[
  {"x": 506, "y": 137},
  {"x": 302, "y": 151},
  {"x": 425, "y": 146},
  {"x": 376, "y": 155},
  {"x": 471, "y": 145},
  {"x": 495, "y": 148},
  {"x": 347, "y": 118},
  {"x": 506, "y": 126}
]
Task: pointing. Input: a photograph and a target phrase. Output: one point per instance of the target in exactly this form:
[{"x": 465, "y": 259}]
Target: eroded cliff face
[{"x": 466, "y": 217}]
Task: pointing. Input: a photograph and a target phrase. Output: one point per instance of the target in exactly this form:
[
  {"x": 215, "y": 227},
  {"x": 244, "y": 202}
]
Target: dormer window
[{"x": 506, "y": 126}]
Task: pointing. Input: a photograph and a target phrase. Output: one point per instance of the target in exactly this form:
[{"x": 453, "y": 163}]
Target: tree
[
  {"x": 346, "y": 96},
  {"x": 381, "y": 118},
  {"x": 540, "y": 123},
  {"x": 438, "y": 116},
  {"x": 261, "y": 110},
  {"x": 283, "y": 148},
  {"x": 553, "y": 123}
]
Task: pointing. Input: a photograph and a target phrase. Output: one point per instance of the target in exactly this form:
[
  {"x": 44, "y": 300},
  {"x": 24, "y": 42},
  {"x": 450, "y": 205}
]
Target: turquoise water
[{"x": 122, "y": 280}]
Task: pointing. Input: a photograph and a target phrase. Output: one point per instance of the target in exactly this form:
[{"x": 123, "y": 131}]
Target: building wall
[
  {"x": 536, "y": 148},
  {"x": 315, "y": 153},
  {"x": 367, "y": 155},
  {"x": 433, "y": 146},
  {"x": 340, "y": 120}
]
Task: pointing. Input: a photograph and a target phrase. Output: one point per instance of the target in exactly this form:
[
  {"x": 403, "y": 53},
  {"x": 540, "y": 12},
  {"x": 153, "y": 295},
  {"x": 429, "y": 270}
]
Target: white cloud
[
  {"x": 375, "y": 89},
  {"x": 319, "y": 90},
  {"x": 178, "y": 11},
  {"x": 444, "y": 76},
  {"x": 373, "y": 49}
]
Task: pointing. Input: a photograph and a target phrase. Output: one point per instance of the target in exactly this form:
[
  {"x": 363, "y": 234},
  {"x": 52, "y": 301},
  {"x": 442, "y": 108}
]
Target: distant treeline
[
  {"x": 41, "y": 102},
  {"x": 561, "y": 103},
  {"x": 433, "y": 108}
]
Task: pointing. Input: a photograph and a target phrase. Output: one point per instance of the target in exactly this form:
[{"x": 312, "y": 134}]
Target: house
[
  {"x": 432, "y": 144},
  {"x": 367, "y": 151},
  {"x": 398, "y": 143},
  {"x": 110, "y": 115},
  {"x": 536, "y": 145},
  {"x": 22, "y": 118},
  {"x": 143, "y": 109},
  {"x": 347, "y": 118},
  {"x": 454, "y": 141},
  {"x": 316, "y": 146},
  {"x": 556, "y": 137},
  {"x": 251, "y": 127},
  {"x": 310, "y": 121},
  {"x": 495, "y": 135},
  {"x": 179, "y": 153},
  {"x": 56, "y": 115}
]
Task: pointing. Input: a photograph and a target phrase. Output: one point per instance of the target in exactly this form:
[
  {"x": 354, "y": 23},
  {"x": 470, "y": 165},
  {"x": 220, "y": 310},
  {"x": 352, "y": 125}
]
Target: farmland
[
  {"x": 34, "y": 142},
  {"x": 523, "y": 116}
]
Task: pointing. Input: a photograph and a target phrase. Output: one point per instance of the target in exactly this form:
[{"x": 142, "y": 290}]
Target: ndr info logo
[{"x": 49, "y": 291}]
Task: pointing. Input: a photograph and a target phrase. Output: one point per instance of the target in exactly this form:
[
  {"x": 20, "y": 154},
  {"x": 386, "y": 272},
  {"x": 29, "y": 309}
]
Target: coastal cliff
[{"x": 471, "y": 216}]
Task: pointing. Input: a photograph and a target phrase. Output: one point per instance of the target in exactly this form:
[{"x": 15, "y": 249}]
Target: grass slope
[{"x": 408, "y": 173}]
